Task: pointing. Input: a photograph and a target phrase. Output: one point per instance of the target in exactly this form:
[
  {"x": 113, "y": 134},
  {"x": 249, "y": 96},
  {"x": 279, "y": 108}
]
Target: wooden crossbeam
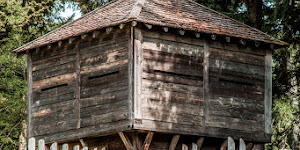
[
  {"x": 174, "y": 142},
  {"x": 200, "y": 142},
  {"x": 126, "y": 141},
  {"x": 148, "y": 140}
]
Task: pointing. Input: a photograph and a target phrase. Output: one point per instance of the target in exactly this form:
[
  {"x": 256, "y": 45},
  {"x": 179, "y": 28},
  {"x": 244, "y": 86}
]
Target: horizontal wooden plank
[
  {"x": 51, "y": 100},
  {"x": 55, "y": 50},
  {"x": 103, "y": 48},
  {"x": 49, "y": 62},
  {"x": 172, "y": 78},
  {"x": 237, "y": 48},
  {"x": 54, "y": 71},
  {"x": 104, "y": 108},
  {"x": 172, "y": 47},
  {"x": 107, "y": 57},
  {"x": 236, "y": 77},
  {"x": 219, "y": 54},
  {"x": 176, "y": 69},
  {"x": 172, "y": 87},
  {"x": 89, "y": 69},
  {"x": 54, "y": 92},
  {"x": 98, "y": 79},
  {"x": 172, "y": 37},
  {"x": 104, "y": 98},
  {"x": 103, "y": 89},
  {"x": 237, "y": 67},
  {"x": 226, "y": 88},
  {"x": 172, "y": 57},
  {"x": 112, "y": 116},
  {"x": 172, "y": 97},
  {"x": 54, "y": 81},
  {"x": 53, "y": 108},
  {"x": 174, "y": 117},
  {"x": 235, "y": 123},
  {"x": 97, "y": 130},
  {"x": 234, "y": 102}
]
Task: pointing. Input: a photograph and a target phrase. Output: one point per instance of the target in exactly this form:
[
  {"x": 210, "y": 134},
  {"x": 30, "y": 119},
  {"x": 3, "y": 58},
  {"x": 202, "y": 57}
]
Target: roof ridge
[
  {"x": 235, "y": 21},
  {"x": 136, "y": 9}
]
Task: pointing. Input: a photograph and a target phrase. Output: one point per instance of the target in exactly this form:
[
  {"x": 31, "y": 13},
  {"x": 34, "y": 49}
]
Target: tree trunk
[{"x": 255, "y": 12}]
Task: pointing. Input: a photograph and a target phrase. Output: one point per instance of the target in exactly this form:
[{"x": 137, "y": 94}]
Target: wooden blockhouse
[{"x": 172, "y": 71}]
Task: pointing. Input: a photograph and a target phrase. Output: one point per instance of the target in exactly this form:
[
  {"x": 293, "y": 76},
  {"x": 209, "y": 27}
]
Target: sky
[{"x": 69, "y": 12}]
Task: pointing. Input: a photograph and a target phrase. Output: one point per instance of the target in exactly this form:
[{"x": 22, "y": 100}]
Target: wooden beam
[
  {"x": 206, "y": 81},
  {"x": 257, "y": 43},
  {"x": 213, "y": 37},
  {"x": 268, "y": 91},
  {"x": 149, "y": 26},
  {"x": 83, "y": 36},
  {"x": 70, "y": 40},
  {"x": 174, "y": 142},
  {"x": 148, "y": 140},
  {"x": 59, "y": 43},
  {"x": 198, "y": 35},
  {"x": 95, "y": 33},
  {"x": 224, "y": 145},
  {"x": 126, "y": 141},
  {"x": 242, "y": 145},
  {"x": 133, "y": 23},
  {"x": 200, "y": 143},
  {"x": 76, "y": 147},
  {"x": 49, "y": 46},
  {"x": 108, "y": 30},
  {"x": 138, "y": 69},
  {"x": 85, "y": 148},
  {"x": 249, "y": 146},
  {"x": 83, "y": 144},
  {"x": 272, "y": 46},
  {"x": 29, "y": 94},
  {"x": 243, "y": 42},
  {"x": 54, "y": 146}
]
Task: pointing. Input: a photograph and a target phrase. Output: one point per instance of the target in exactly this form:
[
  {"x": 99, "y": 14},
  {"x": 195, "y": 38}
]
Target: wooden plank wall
[
  {"x": 81, "y": 86},
  {"x": 172, "y": 82},
  {"x": 236, "y": 88}
]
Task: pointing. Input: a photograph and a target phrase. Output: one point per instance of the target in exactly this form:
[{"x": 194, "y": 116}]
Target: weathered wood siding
[
  {"x": 236, "y": 87},
  {"x": 172, "y": 82},
  {"x": 80, "y": 86}
]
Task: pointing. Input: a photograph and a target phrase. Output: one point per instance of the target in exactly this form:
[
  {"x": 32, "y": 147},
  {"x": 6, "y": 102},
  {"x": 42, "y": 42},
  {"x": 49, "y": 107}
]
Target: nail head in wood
[
  {"x": 166, "y": 29},
  {"x": 227, "y": 39},
  {"x": 181, "y": 32},
  {"x": 257, "y": 44},
  {"x": 108, "y": 30},
  {"x": 149, "y": 26},
  {"x": 213, "y": 37},
  {"x": 243, "y": 42},
  {"x": 198, "y": 35},
  {"x": 122, "y": 26},
  {"x": 133, "y": 23}
]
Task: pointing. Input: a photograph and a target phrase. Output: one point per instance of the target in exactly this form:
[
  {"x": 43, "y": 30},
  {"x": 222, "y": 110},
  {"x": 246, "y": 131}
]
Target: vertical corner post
[{"x": 268, "y": 91}]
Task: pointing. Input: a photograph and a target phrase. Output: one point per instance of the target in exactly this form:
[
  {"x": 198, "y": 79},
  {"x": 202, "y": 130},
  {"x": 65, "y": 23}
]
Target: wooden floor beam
[
  {"x": 174, "y": 142},
  {"x": 126, "y": 141},
  {"x": 148, "y": 140}
]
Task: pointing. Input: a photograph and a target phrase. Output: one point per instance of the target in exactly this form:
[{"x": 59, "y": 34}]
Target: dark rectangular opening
[
  {"x": 100, "y": 76},
  {"x": 53, "y": 87},
  {"x": 177, "y": 74},
  {"x": 236, "y": 82}
]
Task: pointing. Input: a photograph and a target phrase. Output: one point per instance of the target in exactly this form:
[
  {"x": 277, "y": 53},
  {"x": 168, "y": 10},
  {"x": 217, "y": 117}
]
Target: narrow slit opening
[
  {"x": 177, "y": 74},
  {"x": 53, "y": 87},
  {"x": 100, "y": 76},
  {"x": 237, "y": 82}
]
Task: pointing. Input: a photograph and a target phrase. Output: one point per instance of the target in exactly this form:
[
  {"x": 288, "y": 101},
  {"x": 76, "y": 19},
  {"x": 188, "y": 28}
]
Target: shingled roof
[{"x": 181, "y": 14}]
